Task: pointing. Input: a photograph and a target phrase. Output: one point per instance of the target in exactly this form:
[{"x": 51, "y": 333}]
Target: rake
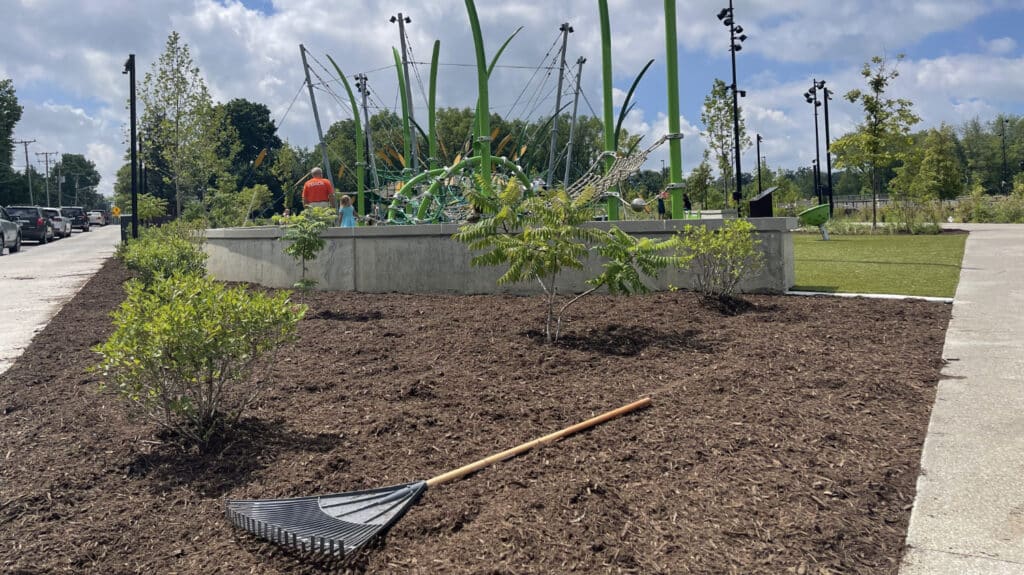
[{"x": 340, "y": 524}]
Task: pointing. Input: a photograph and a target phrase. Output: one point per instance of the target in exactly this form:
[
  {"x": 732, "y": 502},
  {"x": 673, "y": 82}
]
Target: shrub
[
  {"x": 306, "y": 243},
  {"x": 159, "y": 252},
  {"x": 183, "y": 344},
  {"x": 720, "y": 259},
  {"x": 540, "y": 236}
]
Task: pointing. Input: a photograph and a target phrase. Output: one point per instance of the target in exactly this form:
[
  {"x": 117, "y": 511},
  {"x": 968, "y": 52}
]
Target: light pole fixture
[
  {"x": 826, "y": 96},
  {"x": 811, "y": 97},
  {"x": 129, "y": 68},
  {"x": 759, "y": 185},
  {"x": 736, "y": 39}
]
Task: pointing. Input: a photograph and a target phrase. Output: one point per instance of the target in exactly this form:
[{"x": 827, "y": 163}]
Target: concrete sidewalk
[
  {"x": 36, "y": 282},
  {"x": 968, "y": 517}
]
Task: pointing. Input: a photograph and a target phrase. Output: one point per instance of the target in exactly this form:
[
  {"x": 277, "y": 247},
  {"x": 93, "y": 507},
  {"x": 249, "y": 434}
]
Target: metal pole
[
  {"x": 364, "y": 90},
  {"x": 46, "y": 180},
  {"x": 572, "y": 126},
  {"x": 60, "y": 182},
  {"x": 675, "y": 176},
  {"x": 1005, "y": 169},
  {"x": 817, "y": 144},
  {"x": 130, "y": 68},
  {"x": 76, "y": 189},
  {"x": 316, "y": 117},
  {"x": 565, "y": 28},
  {"x": 402, "y": 21},
  {"x": 828, "y": 155},
  {"x": 735, "y": 109}
]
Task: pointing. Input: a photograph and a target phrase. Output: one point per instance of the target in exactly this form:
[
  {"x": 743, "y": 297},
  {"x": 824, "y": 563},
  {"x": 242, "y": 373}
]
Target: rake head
[{"x": 334, "y": 525}]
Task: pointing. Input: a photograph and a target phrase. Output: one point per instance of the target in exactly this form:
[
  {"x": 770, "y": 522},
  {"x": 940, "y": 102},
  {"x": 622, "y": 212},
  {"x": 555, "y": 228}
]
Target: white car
[
  {"x": 61, "y": 225},
  {"x": 97, "y": 218}
]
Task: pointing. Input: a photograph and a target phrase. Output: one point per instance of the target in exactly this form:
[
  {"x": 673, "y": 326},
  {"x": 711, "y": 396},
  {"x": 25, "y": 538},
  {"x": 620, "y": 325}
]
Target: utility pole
[
  {"x": 28, "y": 173},
  {"x": 46, "y": 156},
  {"x": 572, "y": 126},
  {"x": 364, "y": 90},
  {"x": 60, "y": 182},
  {"x": 565, "y": 29},
  {"x": 316, "y": 117},
  {"x": 759, "y": 185},
  {"x": 828, "y": 152},
  {"x": 402, "y": 21}
]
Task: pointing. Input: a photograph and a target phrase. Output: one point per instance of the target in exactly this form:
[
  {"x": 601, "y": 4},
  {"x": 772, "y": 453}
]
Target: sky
[{"x": 964, "y": 59}]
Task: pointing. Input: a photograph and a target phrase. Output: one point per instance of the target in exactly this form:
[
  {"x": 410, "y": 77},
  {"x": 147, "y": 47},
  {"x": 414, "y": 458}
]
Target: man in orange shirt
[{"x": 318, "y": 191}]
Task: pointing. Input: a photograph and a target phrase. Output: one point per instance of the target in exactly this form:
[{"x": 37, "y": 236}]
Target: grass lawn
[{"x": 925, "y": 265}]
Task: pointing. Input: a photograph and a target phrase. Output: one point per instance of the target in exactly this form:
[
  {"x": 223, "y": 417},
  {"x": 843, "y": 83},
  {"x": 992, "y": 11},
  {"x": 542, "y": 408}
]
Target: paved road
[{"x": 37, "y": 281}]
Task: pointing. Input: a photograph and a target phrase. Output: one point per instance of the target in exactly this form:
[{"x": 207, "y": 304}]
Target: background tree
[
  {"x": 876, "y": 144},
  {"x": 699, "y": 182},
  {"x": 182, "y": 127},
  {"x": 10, "y": 115},
  {"x": 717, "y": 117},
  {"x": 77, "y": 169}
]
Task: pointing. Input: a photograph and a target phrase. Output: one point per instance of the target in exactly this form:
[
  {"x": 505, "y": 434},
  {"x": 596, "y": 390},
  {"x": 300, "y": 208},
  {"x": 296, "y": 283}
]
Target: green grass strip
[{"x": 922, "y": 265}]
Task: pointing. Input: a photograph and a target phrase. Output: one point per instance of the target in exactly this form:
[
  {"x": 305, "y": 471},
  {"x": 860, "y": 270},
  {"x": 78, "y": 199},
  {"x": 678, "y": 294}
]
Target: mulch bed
[{"x": 783, "y": 439}]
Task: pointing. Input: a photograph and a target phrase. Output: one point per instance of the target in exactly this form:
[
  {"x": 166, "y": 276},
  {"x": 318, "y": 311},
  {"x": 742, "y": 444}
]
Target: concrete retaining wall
[{"x": 424, "y": 259}]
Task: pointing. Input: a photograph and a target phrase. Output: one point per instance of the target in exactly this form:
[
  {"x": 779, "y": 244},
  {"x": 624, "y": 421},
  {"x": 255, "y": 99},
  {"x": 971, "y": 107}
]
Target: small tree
[
  {"x": 720, "y": 259},
  {"x": 182, "y": 345},
  {"x": 163, "y": 251},
  {"x": 306, "y": 243},
  {"x": 543, "y": 235}
]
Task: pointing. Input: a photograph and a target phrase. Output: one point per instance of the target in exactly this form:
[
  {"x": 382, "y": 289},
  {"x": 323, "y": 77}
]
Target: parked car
[
  {"x": 10, "y": 233},
  {"x": 79, "y": 219},
  {"x": 97, "y": 218},
  {"x": 61, "y": 225},
  {"x": 34, "y": 223}
]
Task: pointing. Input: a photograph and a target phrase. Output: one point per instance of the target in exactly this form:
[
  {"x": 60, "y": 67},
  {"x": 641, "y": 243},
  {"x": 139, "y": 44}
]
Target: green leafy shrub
[
  {"x": 540, "y": 236},
  {"x": 305, "y": 244},
  {"x": 159, "y": 252},
  {"x": 183, "y": 347},
  {"x": 720, "y": 259},
  {"x": 326, "y": 215}
]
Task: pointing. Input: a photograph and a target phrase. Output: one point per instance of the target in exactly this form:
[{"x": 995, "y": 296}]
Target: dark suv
[
  {"x": 34, "y": 223},
  {"x": 79, "y": 217}
]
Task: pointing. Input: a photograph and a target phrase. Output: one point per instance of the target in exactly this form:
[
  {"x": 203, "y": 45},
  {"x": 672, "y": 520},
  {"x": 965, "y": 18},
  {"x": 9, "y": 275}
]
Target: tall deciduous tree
[
  {"x": 717, "y": 117},
  {"x": 876, "y": 144},
  {"x": 10, "y": 114},
  {"x": 181, "y": 125}
]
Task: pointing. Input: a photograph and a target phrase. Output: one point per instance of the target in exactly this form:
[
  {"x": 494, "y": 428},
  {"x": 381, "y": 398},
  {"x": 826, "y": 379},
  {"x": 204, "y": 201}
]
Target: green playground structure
[{"x": 816, "y": 216}]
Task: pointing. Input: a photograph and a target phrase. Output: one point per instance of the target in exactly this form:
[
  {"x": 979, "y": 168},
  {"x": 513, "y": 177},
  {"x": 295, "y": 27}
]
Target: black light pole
[
  {"x": 811, "y": 96},
  {"x": 828, "y": 149},
  {"x": 817, "y": 179},
  {"x": 736, "y": 37},
  {"x": 129, "y": 68},
  {"x": 759, "y": 138}
]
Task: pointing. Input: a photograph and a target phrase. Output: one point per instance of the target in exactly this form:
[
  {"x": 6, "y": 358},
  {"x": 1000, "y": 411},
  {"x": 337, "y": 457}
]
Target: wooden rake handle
[{"x": 467, "y": 469}]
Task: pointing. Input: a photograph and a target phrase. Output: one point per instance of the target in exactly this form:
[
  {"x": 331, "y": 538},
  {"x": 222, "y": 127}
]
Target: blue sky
[{"x": 964, "y": 59}]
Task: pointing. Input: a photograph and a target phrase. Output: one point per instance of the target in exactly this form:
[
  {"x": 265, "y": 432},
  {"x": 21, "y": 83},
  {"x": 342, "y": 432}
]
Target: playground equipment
[
  {"x": 816, "y": 216},
  {"x": 340, "y": 524}
]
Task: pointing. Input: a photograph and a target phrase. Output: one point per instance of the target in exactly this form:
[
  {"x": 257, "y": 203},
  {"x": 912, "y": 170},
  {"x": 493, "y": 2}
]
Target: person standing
[
  {"x": 687, "y": 206},
  {"x": 347, "y": 212},
  {"x": 661, "y": 204},
  {"x": 318, "y": 191}
]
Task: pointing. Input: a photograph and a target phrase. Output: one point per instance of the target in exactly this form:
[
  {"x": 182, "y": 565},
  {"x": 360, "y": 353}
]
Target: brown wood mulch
[{"x": 784, "y": 439}]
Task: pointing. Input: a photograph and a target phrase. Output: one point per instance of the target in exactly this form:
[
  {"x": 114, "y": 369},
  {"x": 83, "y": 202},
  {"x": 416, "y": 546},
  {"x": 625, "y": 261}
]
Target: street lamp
[
  {"x": 129, "y": 68},
  {"x": 736, "y": 39},
  {"x": 811, "y": 97}
]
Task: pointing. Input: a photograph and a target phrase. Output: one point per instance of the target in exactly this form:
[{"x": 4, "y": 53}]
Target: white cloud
[
  {"x": 999, "y": 46},
  {"x": 66, "y": 60}
]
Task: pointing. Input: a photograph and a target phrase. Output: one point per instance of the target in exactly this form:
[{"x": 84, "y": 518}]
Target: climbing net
[{"x": 623, "y": 167}]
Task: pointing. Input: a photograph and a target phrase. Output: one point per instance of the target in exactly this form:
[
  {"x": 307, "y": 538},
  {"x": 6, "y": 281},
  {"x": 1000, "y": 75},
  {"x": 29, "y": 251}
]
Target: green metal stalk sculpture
[
  {"x": 406, "y": 133},
  {"x": 482, "y": 143},
  {"x": 431, "y": 108},
  {"x": 675, "y": 143},
  {"x": 609, "y": 116},
  {"x": 360, "y": 142}
]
